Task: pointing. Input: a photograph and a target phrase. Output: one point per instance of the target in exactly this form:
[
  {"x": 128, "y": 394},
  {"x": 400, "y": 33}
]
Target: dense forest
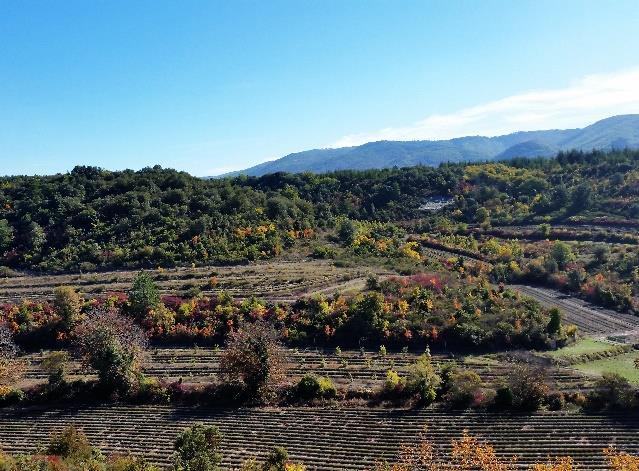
[{"x": 92, "y": 218}]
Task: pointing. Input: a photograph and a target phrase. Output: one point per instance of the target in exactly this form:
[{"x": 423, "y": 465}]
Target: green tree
[
  {"x": 562, "y": 254},
  {"x": 576, "y": 278},
  {"x": 6, "y": 235},
  {"x": 55, "y": 364},
  {"x": 366, "y": 317},
  {"x": 601, "y": 254},
  {"x": 582, "y": 197},
  {"x": 560, "y": 197},
  {"x": 482, "y": 215},
  {"x": 197, "y": 448},
  {"x": 347, "y": 231},
  {"x": 67, "y": 304},
  {"x": 554, "y": 325},
  {"x": 35, "y": 237},
  {"x": 422, "y": 380},
  {"x": 528, "y": 386},
  {"x": 144, "y": 294},
  {"x": 613, "y": 391},
  {"x": 276, "y": 459},
  {"x": 544, "y": 230}
]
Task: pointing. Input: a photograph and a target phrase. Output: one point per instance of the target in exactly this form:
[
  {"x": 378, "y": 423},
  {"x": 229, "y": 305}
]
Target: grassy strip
[{"x": 621, "y": 364}]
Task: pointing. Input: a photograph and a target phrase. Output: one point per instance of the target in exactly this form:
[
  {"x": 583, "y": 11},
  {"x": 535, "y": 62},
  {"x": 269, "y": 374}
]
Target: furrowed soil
[
  {"x": 275, "y": 281},
  {"x": 327, "y": 439}
]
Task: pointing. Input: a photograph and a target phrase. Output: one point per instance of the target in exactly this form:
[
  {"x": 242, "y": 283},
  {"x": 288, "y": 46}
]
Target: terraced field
[
  {"x": 326, "y": 439},
  {"x": 591, "y": 320},
  {"x": 365, "y": 369},
  {"x": 277, "y": 281}
]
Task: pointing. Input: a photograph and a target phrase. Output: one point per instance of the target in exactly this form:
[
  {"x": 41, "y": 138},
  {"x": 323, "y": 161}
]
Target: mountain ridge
[{"x": 619, "y": 131}]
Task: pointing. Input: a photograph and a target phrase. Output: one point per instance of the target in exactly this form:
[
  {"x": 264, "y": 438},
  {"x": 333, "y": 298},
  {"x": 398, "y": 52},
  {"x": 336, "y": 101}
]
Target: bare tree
[
  {"x": 254, "y": 357},
  {"x": 114, "y": 346}
]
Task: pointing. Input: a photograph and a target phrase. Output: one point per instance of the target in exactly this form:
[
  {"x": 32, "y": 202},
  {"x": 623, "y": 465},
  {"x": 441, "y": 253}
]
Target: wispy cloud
[{"x": 592, "y": 98}]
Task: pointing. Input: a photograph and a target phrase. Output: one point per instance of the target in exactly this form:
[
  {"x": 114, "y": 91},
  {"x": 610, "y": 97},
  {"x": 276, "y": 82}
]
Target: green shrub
[
  {"x": 394, "y": 384},
  {"x": 150, "y": 390},
  {"x": 612, "y": 391},
  {"x": 315, "y": 387},
  {"x": 71, "y": 443},
  {"x": 323, "y": 252},
  {"x": 463, "y": 387},
  {"x": 6, "y": 272},
  {"x": 422, "y": 381},
  {"x": 197, "y": 448},
  {"x": 504, "y": 398},
  {"x": 130, "y": 463},
  {"x": 9, "y": 396},
  {"x": 556, "y": 401}
]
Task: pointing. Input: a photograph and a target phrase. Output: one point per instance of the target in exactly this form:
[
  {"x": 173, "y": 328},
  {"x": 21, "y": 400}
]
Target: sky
[{"x": 214, "y": 86}]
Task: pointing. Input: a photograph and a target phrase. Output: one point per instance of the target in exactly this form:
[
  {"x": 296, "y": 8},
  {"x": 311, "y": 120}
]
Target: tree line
[{"x": 92, "y": 218}]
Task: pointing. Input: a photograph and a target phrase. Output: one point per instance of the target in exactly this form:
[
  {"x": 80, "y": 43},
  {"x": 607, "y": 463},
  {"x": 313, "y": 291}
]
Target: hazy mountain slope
[
  {"x": 617, "y": 132},
  {"x": 528, "y": 149},
  {"x": 614, "y": 132}
]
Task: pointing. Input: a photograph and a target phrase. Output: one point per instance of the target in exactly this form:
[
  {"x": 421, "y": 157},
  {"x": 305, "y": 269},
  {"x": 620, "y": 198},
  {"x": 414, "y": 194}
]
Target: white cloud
[{"x": 592, "y": 98}]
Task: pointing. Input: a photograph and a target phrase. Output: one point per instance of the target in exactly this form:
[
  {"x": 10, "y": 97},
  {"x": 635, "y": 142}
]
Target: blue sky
[{"x": 208, "y": 86}]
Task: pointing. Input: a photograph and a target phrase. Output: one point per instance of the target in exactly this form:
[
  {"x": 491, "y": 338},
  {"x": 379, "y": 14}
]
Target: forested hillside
[
  {"x": 92, "y": 218},
  {"x": 617, "y": 132}
]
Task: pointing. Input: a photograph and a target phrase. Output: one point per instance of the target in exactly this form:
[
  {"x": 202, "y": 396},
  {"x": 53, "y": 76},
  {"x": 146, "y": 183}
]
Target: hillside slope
[{"x": 615, "y": 132}]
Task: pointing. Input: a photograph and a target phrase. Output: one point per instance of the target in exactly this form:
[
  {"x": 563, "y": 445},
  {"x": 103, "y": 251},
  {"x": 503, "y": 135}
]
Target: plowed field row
[
  {"x": 274, "y": 280},
  {"x": 589, "y": 319},
  {"x": 327, "y": 439},
  {"x": 368, "y": 369}
]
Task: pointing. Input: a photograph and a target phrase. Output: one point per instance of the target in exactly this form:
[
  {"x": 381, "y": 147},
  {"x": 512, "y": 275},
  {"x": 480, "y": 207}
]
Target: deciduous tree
[
  {"x": 254, "y": 358},
  {"x": 114, "y": 346}
]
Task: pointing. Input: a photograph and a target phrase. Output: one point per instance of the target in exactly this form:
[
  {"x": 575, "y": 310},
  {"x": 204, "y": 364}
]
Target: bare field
[
  {"x": 275, "y": 280},
  {"x": 329, "y": 438},
  {"x": 362, "y": 369}
]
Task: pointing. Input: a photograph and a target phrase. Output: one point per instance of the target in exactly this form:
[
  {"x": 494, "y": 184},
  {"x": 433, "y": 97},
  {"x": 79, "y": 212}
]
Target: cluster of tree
[
  {"x": 92, "y": 218},
  {"x": 589, "y": 270},
  {"x": 373, "y": 238},
  {"x": 403, "y": 311},
  {"x": 524, "y": 388},
  {"x": 585, "y": 184},
  {"x": 253, "y": 368}
]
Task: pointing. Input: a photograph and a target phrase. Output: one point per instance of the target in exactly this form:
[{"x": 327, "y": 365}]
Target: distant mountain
[{"x": 615, "y": 132}]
